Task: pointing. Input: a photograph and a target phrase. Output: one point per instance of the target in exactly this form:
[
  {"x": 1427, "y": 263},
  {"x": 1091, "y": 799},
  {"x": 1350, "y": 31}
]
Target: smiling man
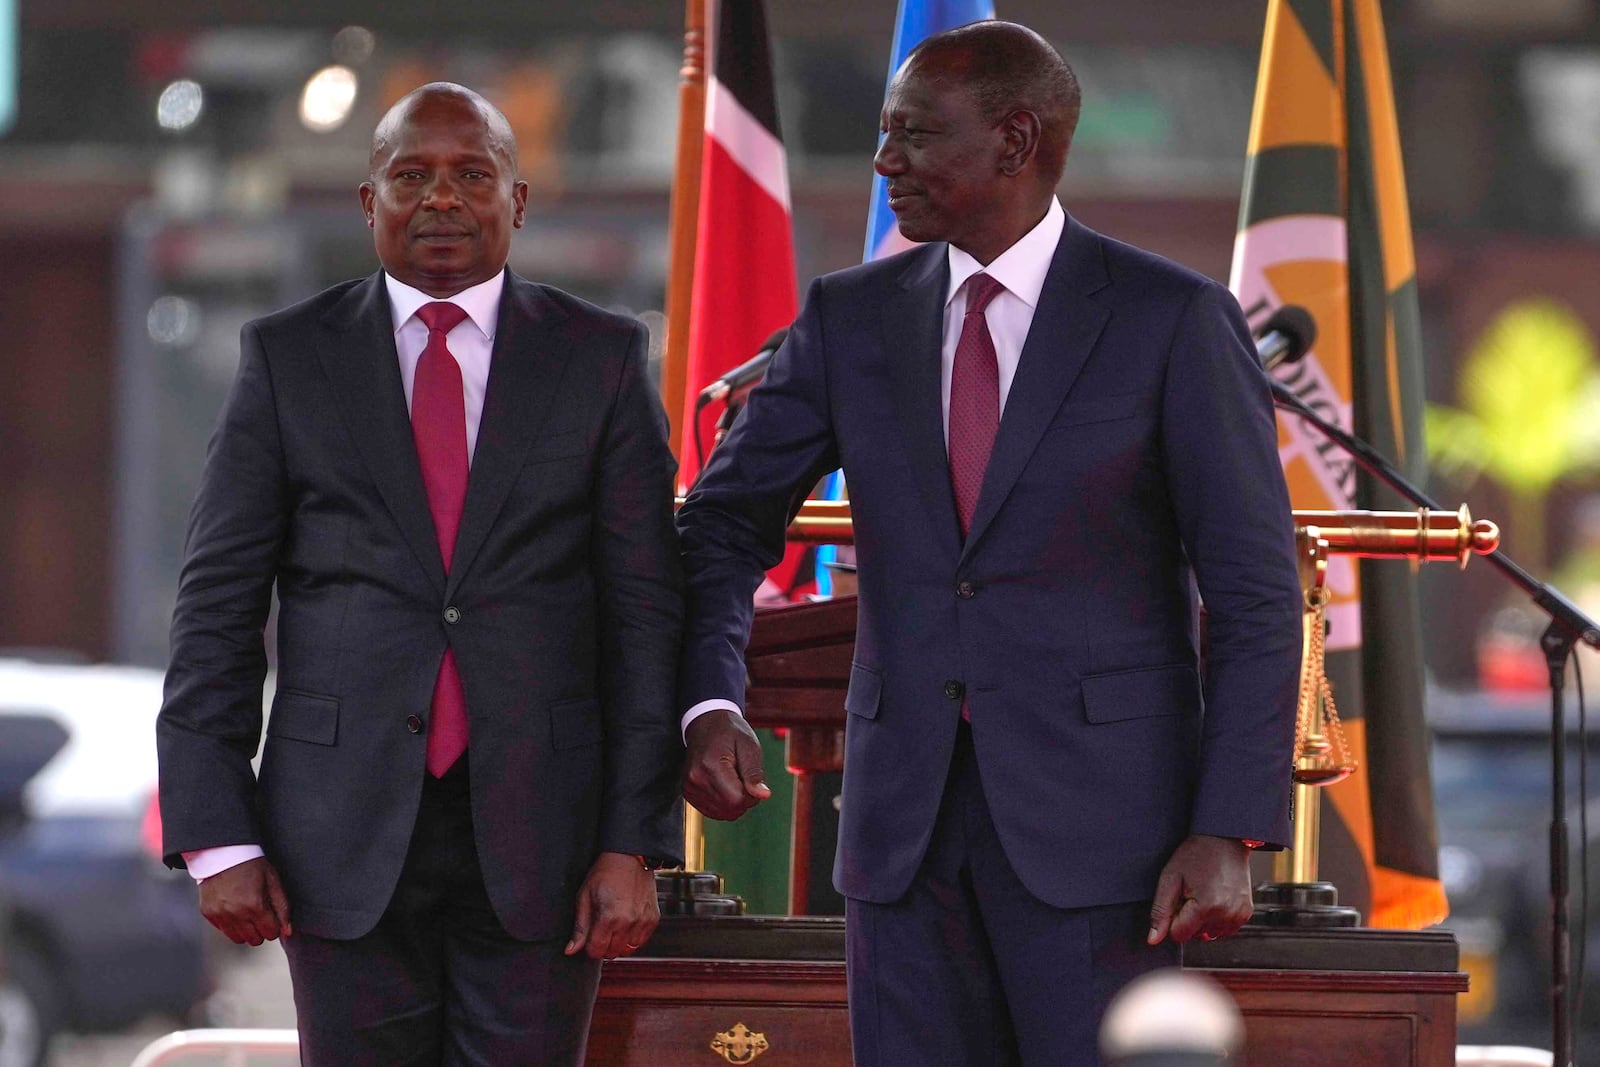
[
  {"x": 460, "y": 483},
  {"x": 1050, "y": 438}
]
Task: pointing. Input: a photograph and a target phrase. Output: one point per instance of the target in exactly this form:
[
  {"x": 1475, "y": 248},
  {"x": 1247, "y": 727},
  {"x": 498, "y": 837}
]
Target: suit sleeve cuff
[
  {"x": 205, "y": 862},
  {"x": 701, "y": 708}
]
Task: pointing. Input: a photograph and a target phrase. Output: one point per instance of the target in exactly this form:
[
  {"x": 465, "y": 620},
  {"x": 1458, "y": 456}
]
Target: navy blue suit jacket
[
  {"x": 1136, "y": 458},
  {"x": 565, "y": 581}
]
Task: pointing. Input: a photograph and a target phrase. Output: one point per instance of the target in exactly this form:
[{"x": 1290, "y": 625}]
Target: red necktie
[
  {"x": 974, "y": 400},
  {"x": 439, "y": 425},
  {"x": 974, "y": 406}
]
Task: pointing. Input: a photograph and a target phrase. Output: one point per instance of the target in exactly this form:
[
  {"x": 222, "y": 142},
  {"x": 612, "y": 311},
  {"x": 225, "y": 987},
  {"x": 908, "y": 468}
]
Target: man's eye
[{"x": 474, "y": 175}]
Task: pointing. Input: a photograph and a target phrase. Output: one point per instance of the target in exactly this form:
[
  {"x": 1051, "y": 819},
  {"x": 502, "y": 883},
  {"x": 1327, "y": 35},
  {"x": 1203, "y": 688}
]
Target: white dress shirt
[
  {"x": 1021, "y": 269},
  {"x": 471, "y": 342}
]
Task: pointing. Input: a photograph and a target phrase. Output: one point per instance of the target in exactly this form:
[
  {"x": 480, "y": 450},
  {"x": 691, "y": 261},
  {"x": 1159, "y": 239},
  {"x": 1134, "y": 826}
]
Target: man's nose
[
  {"x": 888, "y": 161},
  {"x": 441, "y": 193}
]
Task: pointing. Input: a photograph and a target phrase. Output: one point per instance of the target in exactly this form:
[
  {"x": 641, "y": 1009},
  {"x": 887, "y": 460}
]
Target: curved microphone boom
[
  {"x": 740, "y": 380},
  {"x": 1285, "y": 337}
]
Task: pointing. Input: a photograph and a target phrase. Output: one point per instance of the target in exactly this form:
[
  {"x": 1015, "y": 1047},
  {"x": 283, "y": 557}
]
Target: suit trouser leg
[
  {"x": 1059, "y": 967},
  {"x": 439, "y": 981},
  {"x": 969, "y": 969}
]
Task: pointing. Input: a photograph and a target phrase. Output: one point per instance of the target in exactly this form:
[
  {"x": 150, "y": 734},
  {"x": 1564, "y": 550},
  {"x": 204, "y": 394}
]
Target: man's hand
[
  {"x": 1204, "y": 890},
  {"x": 617, "y": 909},
  {"x": 723, "y": 776},
  {"x": 247, "y": 903}
]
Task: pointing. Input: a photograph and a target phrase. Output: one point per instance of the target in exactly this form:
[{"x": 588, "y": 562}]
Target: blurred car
[
  {"x": 22, "y": 1036},
  {"x": 1491, "y": 780},
  {"x": 99, "y": 934},
  {"x": 27, "y": 743}
]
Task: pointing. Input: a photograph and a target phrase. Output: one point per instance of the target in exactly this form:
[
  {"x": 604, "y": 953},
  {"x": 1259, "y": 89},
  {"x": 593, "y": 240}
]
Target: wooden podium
[
  {"x": 752, "y": 989},
  {"x": 737, "y": 990}
]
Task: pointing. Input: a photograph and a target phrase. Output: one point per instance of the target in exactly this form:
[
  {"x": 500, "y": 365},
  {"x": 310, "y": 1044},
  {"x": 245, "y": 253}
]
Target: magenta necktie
[
  {"x": 974, "y": 400},
  {"x": 439, "y": 425}
]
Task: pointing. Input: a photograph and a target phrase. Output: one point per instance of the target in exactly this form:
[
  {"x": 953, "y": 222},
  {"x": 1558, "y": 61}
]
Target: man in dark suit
[
  {"x": 460, "y": 483},
  {"x": 1049, "y": 438}
]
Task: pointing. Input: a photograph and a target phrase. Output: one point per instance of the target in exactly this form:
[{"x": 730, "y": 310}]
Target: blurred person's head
[
  {"x": 976, "y": 128},
  {"x": 442, "y": 194},
  {"x": 1171, "y": 1018}
]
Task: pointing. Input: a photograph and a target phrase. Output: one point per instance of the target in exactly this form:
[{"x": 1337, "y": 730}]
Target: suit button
[
  {"x": 414, "y": 723},
  {"x": 954, "y": 689},
  {"x": 965, "y": 591},
  {"x": 452, "y": 614}
]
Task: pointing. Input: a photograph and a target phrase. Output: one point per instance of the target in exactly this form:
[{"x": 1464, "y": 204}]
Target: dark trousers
[
  {"x": 969, "y": 969},
  {"x": 439, "y": 981}
]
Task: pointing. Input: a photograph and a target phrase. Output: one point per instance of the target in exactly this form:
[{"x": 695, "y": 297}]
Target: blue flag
[{"x": 916, "y": 20}]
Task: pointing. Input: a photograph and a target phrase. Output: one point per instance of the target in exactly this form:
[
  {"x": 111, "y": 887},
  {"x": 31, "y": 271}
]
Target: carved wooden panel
[{"x": 670, "y": 1012}]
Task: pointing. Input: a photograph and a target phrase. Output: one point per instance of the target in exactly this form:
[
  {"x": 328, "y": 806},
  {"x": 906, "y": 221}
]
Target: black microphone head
[
  {"x": 773, "y": 343},
  {"x": 1296, "y": 325}
]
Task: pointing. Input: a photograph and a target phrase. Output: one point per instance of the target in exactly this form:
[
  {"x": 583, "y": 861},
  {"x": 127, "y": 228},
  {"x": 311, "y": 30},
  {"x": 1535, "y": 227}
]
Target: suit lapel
[
  {"x": 531, "y": 350},
  {"x": 1065, "y": 326},
  {"x": 356, "y": 348},
  {"x": 913, "y": 336}
]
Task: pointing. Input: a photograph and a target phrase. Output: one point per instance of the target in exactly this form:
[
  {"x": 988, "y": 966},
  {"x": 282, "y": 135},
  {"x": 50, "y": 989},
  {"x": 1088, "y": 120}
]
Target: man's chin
[{"x": 918, "y": 230}]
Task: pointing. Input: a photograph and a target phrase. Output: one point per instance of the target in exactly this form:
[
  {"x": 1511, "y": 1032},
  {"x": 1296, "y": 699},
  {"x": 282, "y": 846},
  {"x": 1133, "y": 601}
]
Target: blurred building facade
[{"x": 176, "y": 168}]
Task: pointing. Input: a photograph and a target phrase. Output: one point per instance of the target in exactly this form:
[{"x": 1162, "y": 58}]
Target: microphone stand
[{"x": 1568, "y": 626}]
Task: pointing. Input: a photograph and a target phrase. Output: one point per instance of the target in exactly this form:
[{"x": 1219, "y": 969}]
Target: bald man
[
  {"x": 1049, "y": 437},
  {"x": 460, "y": 483}
]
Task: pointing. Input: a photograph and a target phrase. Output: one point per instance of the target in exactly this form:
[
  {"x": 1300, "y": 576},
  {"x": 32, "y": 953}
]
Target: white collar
[
  {"x": 1020, "y": 268},
  {"x": 481, "y": 302}
]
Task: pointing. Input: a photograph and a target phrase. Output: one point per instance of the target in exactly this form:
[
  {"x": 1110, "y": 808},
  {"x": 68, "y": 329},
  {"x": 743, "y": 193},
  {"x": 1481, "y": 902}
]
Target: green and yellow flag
[{"x": 1324, "y": 224}]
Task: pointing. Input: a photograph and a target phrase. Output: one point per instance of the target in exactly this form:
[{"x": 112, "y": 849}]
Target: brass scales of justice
[{"x": 800, "y": 686}]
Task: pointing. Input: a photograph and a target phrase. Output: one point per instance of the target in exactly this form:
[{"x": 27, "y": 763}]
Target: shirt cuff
[
  {"x": 205, "y": 862},
  {"x": 701, "y": 708}
]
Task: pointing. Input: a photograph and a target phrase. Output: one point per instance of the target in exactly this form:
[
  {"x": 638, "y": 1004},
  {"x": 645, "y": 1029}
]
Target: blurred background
[{"x": 170, "y": 169}]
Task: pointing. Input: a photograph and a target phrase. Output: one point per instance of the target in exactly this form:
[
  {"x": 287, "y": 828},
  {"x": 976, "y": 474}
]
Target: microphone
[
  {"x": 733, "y": 385},
  {"x": 1285, "y": 337}
]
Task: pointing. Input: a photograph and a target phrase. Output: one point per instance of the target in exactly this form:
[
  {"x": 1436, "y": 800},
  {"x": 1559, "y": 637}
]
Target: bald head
[
  {"x": 388, "y": 132},
  {"x": 442, "y": 195},
  {"x": 1005, "y": 68}
]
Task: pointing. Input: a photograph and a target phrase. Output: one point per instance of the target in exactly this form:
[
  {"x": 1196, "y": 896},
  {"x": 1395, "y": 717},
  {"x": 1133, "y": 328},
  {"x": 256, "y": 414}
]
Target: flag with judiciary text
[{"x": 1324, "y": 223}]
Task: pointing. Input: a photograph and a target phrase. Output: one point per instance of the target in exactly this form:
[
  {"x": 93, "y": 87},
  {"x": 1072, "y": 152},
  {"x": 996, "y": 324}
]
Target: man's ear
[
  {"x": 1020, "y": 132},
  {"x": 367, "y": 193},
  {"x": 519, "y": 203}
]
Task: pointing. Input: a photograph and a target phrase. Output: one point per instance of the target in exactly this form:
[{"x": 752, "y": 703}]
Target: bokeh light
[
  {"x": 180, "y": 105},
  {"x": 353, "y": 45},
  {"x": 173, "y": 320},
  {"x": 327, "y": 99}
]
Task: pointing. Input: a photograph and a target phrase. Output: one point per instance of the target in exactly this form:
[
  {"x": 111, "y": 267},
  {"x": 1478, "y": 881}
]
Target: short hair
[
  {"x": 1007, "y": 67},
  {"x": 387, "y": 130}
]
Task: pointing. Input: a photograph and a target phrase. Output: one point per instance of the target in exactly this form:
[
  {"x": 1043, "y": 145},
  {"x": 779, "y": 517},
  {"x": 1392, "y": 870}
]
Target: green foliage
[{"x": 1530, "y": 390}]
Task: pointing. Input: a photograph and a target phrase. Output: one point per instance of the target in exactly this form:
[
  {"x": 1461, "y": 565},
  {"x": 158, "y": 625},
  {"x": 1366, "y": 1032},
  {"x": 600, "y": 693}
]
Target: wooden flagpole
[
  {"x": 680, "y": 284},
  {"x": 685, "y": 216}
]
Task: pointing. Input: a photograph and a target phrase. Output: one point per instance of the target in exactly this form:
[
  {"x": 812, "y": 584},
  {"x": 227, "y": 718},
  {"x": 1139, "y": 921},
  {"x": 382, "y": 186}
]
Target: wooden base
[
  {"x": 1327, "y": 998},
  {"x": 670, "y": 1012},
  {"x": 1309, "y": 998}
]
